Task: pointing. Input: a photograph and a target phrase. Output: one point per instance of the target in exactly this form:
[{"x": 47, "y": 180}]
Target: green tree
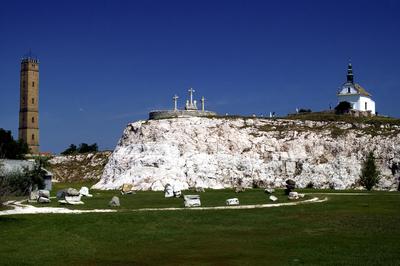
[
  {"x": 72, "y": 149},
  {"x": 369, "y": 172},
  {"x": 85, "y": 148},
  {"x": 11, "y": 149},
  {"x": 343, "y": 108}
]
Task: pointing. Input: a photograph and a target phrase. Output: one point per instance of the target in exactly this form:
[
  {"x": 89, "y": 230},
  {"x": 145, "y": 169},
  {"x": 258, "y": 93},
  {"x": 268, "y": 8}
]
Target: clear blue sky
[{"x": 107, "y": 63}]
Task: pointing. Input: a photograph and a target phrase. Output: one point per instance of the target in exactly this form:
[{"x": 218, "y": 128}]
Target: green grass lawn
[{"x": 345, "y": 230}]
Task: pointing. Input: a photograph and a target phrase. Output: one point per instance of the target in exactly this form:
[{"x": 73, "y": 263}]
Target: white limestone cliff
[{"x": 224, "y": 152}]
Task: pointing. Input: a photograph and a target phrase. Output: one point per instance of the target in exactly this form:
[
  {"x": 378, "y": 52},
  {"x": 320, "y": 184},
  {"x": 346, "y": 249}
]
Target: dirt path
[{"x": 19, "y": 208}]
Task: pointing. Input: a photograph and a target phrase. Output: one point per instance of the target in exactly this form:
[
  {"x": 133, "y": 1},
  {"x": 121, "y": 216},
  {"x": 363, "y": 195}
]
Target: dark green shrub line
[{"x": 83, "y": 148}]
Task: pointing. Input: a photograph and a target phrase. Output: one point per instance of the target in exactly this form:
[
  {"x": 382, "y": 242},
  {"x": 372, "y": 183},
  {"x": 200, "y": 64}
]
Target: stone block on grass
[
  {"x": 114, "y": 202},
  {"x": 192, "y": 201},
  {"x": 273, "y": 198},
  {"x": 232, "y": 202}
]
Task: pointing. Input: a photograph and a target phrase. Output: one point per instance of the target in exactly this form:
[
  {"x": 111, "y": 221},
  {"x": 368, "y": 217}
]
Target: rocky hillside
[
  {"x": 88, "y": 166},
  {"x": 226, "y": 152}
]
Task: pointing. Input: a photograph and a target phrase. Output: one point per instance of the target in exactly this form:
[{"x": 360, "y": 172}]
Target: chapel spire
[{"x": 350, "y": 76}]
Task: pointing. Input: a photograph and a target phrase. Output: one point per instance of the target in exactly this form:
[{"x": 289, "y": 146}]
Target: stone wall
[{"x": 179, "y": 113}]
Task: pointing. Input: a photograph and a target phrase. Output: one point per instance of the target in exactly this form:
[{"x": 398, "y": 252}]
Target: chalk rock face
[{"x": 230, "y": 152}]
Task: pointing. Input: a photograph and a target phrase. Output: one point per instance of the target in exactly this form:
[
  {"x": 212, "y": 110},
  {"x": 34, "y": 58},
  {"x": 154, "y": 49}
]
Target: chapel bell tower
[{"x": 29, "y": 103}]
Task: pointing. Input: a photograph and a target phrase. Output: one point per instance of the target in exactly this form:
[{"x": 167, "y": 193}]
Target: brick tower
[{"x": 29, "y": 103}]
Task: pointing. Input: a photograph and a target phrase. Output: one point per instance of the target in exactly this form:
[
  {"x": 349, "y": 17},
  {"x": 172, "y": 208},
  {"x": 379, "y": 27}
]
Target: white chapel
[{"x": 356, "y": 95}]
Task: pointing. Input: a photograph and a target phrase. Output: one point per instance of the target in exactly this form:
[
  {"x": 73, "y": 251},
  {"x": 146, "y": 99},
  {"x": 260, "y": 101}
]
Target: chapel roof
[
  {"x": 361, "y": 90},
  {"x": 350, "y": 83}
]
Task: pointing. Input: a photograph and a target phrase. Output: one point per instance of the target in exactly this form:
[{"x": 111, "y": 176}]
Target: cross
[
  {"x": 202, "y": 103},
  {"x": 191, "y": 90},
  {"x": 175, "y": 98}
]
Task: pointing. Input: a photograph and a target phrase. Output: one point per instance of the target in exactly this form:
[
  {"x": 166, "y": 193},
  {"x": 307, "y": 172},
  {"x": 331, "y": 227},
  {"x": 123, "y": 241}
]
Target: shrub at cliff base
[
  {"x": 20, "y": 183},
  {"x": 369, "y": 173}
]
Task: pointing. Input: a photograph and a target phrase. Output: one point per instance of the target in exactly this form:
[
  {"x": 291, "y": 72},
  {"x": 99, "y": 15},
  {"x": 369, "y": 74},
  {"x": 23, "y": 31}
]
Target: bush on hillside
[
  {"x": 302, "y": 110},
  {"x": 84, "y": 148},
  {"x": 72, "y": 149}
]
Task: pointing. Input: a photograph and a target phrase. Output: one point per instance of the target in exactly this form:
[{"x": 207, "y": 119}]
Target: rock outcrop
[
  {"x": 79, "y": 167},
  {"x": 230, "y": 152}
]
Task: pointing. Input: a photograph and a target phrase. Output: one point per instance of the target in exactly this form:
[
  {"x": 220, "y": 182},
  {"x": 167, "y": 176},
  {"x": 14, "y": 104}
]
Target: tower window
[
  {"x": 348, "y": 90},
  {"x": 23, "y": 84},
  {"x": 33, "y": 84},
  {"x": 33, "y": 136},
  {"x": 33, "y": 120},
  {"x": 33, "y": 100}
]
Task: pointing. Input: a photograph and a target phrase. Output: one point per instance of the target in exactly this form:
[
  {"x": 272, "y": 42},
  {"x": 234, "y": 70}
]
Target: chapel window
[
  {"x": 33, "y": 120},
  {"x": 33, "y": 84},
  {"x": 33, "y": 136},
  {"x": 366, "y": 105}
]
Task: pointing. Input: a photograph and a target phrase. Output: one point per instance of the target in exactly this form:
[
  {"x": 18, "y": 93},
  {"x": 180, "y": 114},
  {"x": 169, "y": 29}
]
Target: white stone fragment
[
  {"x": 269, "y": 190},
  {"x": 233, "y": 201},
  {"x": 72, "y": 200},
  {"x": 177, "y": 193},
  {"x": 169, "y": 191},
  {"x": 127, "y": 189},
  {"x": 273, "y": 198},
  {"x": 293, "y": 195},
  {"x": 114, "y": 202},
  {"x": 43, "y": 200},
  {"x": 44, "y": 193},
  {"x": 192, "y": 201},
  {"x": 84, "y": 191},
  {"x": 34, "y": 195}
]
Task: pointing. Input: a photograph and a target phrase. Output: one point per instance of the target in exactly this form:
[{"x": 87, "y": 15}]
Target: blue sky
[{"x": 107, "y": 63}]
